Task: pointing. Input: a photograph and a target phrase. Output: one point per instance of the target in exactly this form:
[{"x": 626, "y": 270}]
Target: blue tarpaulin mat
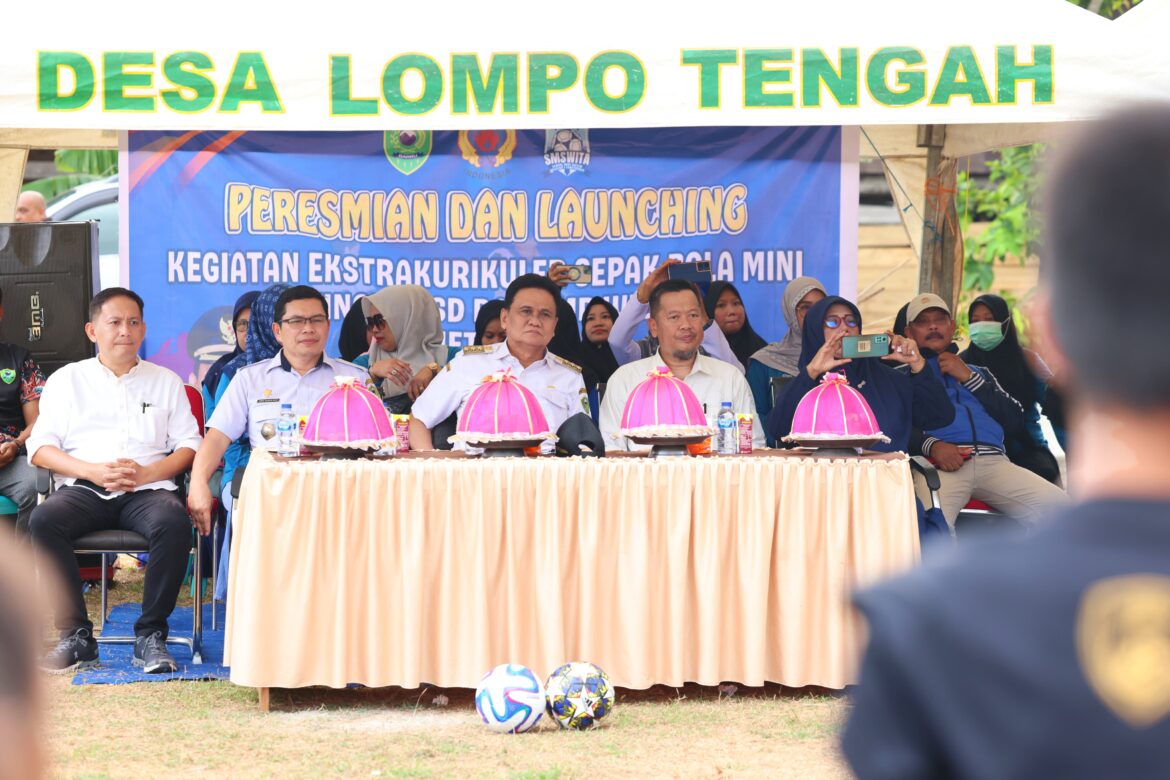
[{"x": 117, "y": 660}]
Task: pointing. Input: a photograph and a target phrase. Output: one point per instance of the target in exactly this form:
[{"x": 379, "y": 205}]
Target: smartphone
[
  {"x": 699, "y": 273},
  {"x": 579, "y": 274},
  {"x": 877, "y": 345}
]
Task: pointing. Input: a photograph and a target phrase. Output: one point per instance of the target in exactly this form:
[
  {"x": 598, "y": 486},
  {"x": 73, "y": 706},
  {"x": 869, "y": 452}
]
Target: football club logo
[
  {"x": 566, "y": 150},
  {"x": 8, "y": 375},
  {"x": 487, "y": 148},
  {"x": 407, "y": 150},
  {"x": 1123, "y": 641}
]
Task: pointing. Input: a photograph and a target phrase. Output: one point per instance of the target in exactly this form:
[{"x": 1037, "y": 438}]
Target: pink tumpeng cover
[
  {"x": 501, "y": 409},
  {"x": 834, "y": 410},
  {"x": 349, "y": 415}
]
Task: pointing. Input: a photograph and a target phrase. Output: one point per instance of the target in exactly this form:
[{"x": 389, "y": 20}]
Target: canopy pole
[
  {"x": 941, "y": 268},
  {"x": 12, "y": 162}
]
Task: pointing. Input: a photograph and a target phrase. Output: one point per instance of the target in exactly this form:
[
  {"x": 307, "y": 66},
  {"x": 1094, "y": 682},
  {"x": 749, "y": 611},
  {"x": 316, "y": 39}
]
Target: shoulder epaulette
[
  {"x": 477, "y": 349},
  {"x": 567, "y": 363}
]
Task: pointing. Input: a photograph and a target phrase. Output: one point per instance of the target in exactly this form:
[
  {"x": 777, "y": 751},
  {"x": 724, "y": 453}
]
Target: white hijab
[
  {"x": 784, "y": 355},
  {"x": 413, "y": 317}
]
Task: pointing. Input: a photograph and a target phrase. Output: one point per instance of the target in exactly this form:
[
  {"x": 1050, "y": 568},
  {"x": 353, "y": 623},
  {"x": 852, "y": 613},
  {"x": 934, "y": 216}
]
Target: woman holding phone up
[{"x": 902, "y": 397}]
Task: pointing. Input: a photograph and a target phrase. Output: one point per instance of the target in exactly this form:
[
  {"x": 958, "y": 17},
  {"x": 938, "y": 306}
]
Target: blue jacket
[{"x": 983, "y": 411}]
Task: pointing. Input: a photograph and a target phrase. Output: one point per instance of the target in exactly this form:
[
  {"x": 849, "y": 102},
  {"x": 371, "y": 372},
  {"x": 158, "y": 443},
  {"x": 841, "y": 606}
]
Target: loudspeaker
[{"x": 48, "y": 274}]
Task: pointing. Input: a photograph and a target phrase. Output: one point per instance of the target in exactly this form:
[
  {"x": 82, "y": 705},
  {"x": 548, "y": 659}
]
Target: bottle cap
[{"x": 285, "y": 406}]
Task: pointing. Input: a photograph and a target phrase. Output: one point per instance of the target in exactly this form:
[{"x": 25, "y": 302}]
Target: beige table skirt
[{"x": 435, "y": 570}]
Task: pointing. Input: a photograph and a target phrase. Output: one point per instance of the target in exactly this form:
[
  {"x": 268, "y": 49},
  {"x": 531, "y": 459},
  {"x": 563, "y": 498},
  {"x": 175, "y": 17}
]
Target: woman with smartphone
[{"x": 902, "y": 396}]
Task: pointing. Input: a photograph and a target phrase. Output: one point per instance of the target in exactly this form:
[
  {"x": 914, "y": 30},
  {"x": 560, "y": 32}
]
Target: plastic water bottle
[
  {"x": 728, "y": 436},
  {"x": 286, "y": 429}
]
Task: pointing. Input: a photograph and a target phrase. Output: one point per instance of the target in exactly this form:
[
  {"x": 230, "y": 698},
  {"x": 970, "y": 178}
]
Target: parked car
[{"x": 96, "y": 200}]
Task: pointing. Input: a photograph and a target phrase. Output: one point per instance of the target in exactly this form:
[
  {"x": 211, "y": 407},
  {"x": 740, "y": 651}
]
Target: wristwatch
[{"x": 434, "y": 367}]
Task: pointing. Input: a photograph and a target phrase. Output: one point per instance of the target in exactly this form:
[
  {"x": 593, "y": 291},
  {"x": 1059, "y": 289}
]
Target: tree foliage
[{"x": 77, "y": 166}]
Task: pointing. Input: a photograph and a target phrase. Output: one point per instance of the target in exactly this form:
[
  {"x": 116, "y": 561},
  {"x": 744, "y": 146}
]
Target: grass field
[{"x": 215, "y": 729}]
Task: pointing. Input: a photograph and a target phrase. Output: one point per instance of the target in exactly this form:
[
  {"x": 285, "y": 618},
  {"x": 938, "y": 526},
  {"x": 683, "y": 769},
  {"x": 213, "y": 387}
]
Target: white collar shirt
[
  {"x": 93, "y": 415},
  {"x": 251, "y": 403},
  {"x": 555, "y": 382},
  {"x": 714, "y": 381}
]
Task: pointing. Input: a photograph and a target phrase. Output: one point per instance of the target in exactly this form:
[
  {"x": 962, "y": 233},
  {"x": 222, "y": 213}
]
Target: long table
[{"x": 434, "y": 570}]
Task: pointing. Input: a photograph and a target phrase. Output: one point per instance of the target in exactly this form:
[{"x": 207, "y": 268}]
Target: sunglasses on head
[
  {"x": 836, "y": 322},
  {"x": 375, "y": 322}
]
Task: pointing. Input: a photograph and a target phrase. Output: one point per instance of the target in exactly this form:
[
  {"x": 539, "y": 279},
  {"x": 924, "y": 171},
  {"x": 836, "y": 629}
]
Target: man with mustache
[
  {"x": 969, "y": 453},
  {"x": 676, "y": 320},
  {"x": 529, "y": 320}
]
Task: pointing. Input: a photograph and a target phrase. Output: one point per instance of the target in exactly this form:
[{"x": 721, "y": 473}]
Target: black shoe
[
  {"x": 150, "y": 652},
  {"x": 76, "y": 651}
]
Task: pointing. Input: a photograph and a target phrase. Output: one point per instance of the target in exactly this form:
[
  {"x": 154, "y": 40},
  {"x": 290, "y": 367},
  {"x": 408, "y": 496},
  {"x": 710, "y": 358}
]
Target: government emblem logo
[
  {"x": 1123, "y": 644},
  {"x": 487, "y": 148},
  {"x": 8, "y": 375},
  {"x": 407, "y": 150},
  {"x": 566, "y": 150}
]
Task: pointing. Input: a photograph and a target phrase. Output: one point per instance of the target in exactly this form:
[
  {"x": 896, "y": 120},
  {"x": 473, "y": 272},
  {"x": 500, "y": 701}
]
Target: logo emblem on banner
[
  {"x": 8, "y": 375},
  {"x": 487, "y": 148},
  {"x": 1123, "y": 641},
  {"x": 566, "y": 150},
  {"x": 407, "y": 150}
]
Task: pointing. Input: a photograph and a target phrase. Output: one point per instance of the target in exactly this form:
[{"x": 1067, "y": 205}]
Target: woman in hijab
[
  {"x": 596, "y": 323},
  {"x": 781, "y": 358},
  {"x": 241, "y": 314},
  {"x": 488, "y": 329},
  {"x": 1021, "y": 372},
  {"x": 261, "y": 344},
  {"x": 901, "y": 399},
  {"x": 409, "y": 347},
  {"x": 725, "y": 306}
]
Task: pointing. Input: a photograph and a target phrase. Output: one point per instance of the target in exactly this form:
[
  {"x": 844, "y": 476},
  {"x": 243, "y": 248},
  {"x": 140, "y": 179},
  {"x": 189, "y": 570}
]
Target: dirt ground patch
[{"x": 215, "y": 729}]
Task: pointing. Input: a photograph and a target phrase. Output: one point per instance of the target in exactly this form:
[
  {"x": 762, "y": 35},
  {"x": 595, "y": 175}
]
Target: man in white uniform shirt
[
  {"x": 299, "y": 374},
  {"x": 115, "y": 430},
  {"x": 676, "y": 320},
  {"x": 529, "y": 320}
]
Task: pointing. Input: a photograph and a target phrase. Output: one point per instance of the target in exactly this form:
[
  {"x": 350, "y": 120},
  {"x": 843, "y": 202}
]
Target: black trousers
[{"x": 158, "y": 515}]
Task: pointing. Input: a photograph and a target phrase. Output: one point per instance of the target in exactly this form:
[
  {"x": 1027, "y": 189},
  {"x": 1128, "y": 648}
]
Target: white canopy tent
[{"x": 927, "y": 81}]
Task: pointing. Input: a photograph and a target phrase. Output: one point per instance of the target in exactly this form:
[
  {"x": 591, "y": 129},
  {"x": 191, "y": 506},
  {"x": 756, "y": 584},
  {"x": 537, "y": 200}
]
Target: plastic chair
[
  {"x": 777, "y": 385},
  {"x": 8, "y": 510}
]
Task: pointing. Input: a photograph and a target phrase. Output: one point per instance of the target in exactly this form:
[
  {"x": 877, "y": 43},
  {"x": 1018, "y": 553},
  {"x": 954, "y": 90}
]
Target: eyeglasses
[
  {"x": 836, "y": 322},
  {"x": 297, "y": 323},
  {"x": 242, "y": 326},
  {"x": 375, "y": 322}
]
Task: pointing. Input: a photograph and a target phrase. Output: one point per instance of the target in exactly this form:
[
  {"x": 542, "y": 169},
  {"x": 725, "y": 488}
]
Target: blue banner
[{"x": 215, "y": 214}]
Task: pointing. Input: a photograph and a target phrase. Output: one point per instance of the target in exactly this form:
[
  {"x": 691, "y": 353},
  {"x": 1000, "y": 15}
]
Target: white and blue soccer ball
[
  {"x": 510, "y": 699},
  {"x": 580, "y": 695}
]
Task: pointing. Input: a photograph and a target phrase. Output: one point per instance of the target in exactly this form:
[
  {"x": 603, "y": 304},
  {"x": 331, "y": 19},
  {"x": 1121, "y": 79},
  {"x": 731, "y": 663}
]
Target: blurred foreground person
[
  {"x": 21, "y": 694},
  {"x": 1048, "y": 656}
]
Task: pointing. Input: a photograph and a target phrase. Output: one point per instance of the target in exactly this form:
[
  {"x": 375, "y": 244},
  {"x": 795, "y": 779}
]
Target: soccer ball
[
  {"x": 579, "y": 695},
  {"x": 510, "y": 699}
]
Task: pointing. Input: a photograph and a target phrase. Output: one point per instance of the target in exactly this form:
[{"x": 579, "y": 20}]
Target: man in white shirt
[
  {"x": 633, "y": 313},
  {"x": 676, "y": 320},
  {"x": 115, "y": 430},
  {"x": 529, "y": 319}
]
